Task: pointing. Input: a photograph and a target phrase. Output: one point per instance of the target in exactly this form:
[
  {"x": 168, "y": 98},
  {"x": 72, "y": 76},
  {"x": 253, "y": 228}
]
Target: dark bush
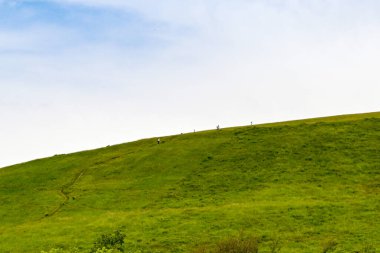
[{"x": 113, "y": 240}]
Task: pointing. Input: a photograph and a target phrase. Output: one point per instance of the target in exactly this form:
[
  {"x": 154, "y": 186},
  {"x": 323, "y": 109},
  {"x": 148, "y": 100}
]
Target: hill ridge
[{"x": 336, "y": 118}]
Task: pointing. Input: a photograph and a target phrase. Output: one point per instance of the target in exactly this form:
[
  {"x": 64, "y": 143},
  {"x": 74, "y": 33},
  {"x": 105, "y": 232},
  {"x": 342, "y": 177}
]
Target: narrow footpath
[{"x": 64, "y": 194}]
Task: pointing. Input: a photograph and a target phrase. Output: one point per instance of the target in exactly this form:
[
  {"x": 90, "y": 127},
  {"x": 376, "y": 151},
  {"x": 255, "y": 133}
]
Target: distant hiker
[
  {"x": 217, "y": 127},
  {"x": 194, "y": 130},
  {"x": 251, "y": 123},
  {"x": 158, "y": 141}
]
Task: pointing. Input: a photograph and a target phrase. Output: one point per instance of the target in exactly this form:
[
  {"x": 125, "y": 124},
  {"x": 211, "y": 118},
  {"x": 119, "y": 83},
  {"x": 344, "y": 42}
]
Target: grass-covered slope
[{"x": 304, "y": 182}]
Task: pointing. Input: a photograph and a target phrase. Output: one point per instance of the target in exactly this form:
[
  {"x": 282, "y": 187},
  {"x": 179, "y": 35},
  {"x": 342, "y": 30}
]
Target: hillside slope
[{"x": 304, "y": 182}]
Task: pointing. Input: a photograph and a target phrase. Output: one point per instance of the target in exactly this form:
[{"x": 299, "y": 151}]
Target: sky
[{"x": 82, "y": 74}]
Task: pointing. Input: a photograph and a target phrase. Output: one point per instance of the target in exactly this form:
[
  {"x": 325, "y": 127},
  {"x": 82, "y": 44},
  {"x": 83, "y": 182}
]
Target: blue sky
[
  {"x": 80, "y": 74},
  {"x": 58, "y": 27}
]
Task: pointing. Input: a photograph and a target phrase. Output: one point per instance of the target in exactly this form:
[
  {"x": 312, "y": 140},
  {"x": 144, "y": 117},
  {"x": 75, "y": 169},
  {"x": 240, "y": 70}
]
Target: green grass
[{"x": 304, "y": 182}]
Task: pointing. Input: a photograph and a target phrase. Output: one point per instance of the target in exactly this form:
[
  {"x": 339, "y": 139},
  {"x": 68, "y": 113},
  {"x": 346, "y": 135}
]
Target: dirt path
[{"x": 64, "y": 194}]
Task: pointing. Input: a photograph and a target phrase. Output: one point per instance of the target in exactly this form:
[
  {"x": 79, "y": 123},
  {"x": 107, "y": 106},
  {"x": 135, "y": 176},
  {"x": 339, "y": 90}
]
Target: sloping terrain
[{"x": 303, "y": 182}]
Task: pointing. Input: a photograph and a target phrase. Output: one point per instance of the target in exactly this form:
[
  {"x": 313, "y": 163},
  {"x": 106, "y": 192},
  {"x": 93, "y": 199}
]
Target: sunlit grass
[{"x": 305, "y": 182}]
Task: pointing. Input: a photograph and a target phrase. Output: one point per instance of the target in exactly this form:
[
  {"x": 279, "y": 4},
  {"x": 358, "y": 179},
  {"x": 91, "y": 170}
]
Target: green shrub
[{"x": 111, "y": 241}]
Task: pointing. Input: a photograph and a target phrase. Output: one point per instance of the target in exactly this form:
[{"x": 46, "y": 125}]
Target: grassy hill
[{"x": 304, "y": 182}]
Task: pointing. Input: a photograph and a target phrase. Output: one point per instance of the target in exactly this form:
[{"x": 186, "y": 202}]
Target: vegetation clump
[{"x": 109, "y": 243}]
